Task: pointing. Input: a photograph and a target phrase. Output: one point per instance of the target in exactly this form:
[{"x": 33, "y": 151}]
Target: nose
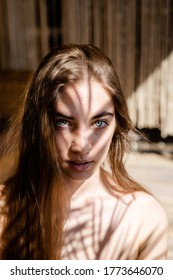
[{"x": 81, "y": 143}]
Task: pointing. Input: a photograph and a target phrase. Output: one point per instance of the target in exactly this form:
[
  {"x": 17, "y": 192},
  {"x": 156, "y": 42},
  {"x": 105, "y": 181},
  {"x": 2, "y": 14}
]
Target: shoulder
[
  {"x": 139, "y": 223},
  {"x": 146, "y": 209},
  {"x": 152, "y": 223},
  {"x": 142, "y": 212},
  {"x": 148, "y": 206},
  {"x": 144, "y": 223}
]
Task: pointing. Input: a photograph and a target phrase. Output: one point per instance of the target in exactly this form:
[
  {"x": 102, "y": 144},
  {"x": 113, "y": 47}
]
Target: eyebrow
[
  {"x": 103, "y": 114},
  {"x": 60, "y": 115}
]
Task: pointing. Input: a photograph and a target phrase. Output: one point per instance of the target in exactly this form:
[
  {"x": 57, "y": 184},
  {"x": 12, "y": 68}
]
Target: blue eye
[
  {"x": 61, "y": 123},
  {"x": 100, "y": 123}
]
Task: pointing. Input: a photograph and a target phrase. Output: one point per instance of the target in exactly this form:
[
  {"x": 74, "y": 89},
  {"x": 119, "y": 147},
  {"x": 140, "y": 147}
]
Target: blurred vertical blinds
[
  {"x": 23, "y": 33},
  {"x": 136, "y": 34}
]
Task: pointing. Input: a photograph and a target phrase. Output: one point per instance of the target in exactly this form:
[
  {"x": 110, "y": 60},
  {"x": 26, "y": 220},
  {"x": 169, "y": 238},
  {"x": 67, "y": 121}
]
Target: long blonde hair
[{"x": 34, "y": 210}]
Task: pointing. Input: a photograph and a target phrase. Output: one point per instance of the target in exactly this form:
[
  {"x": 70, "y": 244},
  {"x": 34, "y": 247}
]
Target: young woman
[{"x": 68, "y": 195}]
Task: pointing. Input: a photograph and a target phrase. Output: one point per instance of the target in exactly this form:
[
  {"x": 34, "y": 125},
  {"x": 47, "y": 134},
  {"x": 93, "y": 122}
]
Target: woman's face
[{"x": 84, "y": 127}]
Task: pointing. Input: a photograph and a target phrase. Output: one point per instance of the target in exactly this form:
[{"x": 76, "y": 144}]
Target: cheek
[
  {"x": 102, "y": 144},
  {"x": 62, "y": 143}
]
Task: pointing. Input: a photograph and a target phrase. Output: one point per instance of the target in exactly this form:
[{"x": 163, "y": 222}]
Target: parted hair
[{"x": 34, "y": 199}]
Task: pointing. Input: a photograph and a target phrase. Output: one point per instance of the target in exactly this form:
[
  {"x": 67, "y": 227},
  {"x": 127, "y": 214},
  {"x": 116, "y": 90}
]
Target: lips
[{"x": 80, "y": 165}]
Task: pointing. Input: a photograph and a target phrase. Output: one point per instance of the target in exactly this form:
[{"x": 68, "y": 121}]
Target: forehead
[{"x": 84, "y": 99}]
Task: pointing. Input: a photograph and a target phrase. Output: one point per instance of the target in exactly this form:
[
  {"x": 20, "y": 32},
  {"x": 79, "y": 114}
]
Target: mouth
[{"x": 80, "y": 165}]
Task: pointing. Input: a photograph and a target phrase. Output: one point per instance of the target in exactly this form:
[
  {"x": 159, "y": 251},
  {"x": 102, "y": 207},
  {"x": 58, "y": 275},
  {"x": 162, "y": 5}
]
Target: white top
[{"x": 103, "y": 227}]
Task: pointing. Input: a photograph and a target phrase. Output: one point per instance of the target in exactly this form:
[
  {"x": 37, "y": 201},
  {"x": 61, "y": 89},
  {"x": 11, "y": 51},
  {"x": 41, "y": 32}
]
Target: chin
[{"x": 79, "y": 176}]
